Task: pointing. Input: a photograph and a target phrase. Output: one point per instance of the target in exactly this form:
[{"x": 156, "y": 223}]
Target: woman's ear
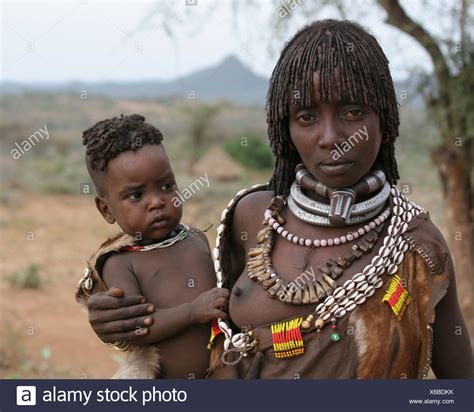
[
  {"x": 386, "y": 138},
  {"x": 103, "y": 208}
]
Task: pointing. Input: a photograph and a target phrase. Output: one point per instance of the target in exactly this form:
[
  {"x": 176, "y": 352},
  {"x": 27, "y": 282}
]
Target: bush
[
  {"x": 251, "y": 152},
  {"x": 28, "y": 278}
]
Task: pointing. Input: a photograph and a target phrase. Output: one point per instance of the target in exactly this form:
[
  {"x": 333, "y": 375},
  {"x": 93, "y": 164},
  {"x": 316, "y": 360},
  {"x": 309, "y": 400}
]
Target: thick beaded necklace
[{"x": 354, "y": 291}]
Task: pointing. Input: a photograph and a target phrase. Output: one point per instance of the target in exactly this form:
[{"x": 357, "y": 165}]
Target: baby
[{"x": 156, "y": 256}]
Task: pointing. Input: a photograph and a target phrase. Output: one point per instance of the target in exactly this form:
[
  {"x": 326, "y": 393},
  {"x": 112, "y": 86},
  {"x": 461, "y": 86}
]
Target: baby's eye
[
  {"x": 135, "y": 196},
  {"x": 167, "y": 186}
]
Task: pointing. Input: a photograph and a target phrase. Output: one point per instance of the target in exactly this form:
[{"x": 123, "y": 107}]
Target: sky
[{"x": 89, "y": 40}]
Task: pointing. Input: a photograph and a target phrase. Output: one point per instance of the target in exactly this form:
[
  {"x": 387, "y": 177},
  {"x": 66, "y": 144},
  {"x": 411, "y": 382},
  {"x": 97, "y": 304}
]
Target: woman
[{"x": 333, "y": 272}]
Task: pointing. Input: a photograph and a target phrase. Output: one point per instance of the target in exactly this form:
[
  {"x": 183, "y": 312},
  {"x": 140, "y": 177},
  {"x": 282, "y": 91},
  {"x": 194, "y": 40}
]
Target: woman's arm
[
  {"x": 452, "y": 353},
  {"x": 112, "y": 312}
]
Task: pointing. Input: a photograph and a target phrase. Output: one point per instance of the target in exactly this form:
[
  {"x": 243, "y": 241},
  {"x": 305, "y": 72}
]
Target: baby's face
[
  {"x": 338, "y": 142},
  {"x": 142, "y": 193}
]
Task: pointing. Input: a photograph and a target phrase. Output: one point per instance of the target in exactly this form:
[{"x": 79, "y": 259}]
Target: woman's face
[{"x": 338, "y": 142}]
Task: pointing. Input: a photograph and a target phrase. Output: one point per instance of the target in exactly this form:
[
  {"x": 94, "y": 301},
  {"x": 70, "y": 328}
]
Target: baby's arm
[
  {"x": 166, "y": 322},
  {"x": 452, "y": 354}
]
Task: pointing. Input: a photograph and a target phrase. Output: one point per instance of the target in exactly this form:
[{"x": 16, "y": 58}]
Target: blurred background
[{"x": 198, "y": 70}]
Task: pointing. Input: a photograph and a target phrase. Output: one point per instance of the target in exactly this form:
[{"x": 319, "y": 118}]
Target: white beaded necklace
[
  {"x": 349, "y": 236},
  {"x": 180, "y": 232}
]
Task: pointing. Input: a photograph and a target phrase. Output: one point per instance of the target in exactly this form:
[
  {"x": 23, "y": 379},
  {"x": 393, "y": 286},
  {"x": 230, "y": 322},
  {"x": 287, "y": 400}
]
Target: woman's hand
[{"x": 115, "y": 317}]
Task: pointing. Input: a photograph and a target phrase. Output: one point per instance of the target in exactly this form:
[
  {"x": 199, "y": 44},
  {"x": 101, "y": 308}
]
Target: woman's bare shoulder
[
  {"x": 250, "y": 207},
  {"x": 254, "y": 201}
]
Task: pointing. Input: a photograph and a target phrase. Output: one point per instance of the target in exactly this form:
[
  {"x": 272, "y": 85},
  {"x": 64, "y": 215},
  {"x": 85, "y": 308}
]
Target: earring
[{"x": 291, "y": 146}]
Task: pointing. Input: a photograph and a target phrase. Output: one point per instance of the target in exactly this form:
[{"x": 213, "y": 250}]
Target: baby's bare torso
[{"x": 169, "y": 277}]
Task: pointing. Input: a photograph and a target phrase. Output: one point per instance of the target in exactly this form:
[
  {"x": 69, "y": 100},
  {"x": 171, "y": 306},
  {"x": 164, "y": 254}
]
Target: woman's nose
[{"x": 329, "y": 134}]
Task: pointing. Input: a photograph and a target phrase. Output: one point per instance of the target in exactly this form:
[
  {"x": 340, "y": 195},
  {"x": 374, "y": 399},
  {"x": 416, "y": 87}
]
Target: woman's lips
[{"x": 335, "y": 169}]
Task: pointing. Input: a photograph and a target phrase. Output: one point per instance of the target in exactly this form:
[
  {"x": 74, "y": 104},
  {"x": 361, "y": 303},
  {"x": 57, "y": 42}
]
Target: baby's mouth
[{"x": 159, "y": 223}]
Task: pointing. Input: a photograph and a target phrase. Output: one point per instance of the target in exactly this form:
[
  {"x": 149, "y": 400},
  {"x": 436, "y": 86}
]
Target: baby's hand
[{"x": 210, "y": 305}]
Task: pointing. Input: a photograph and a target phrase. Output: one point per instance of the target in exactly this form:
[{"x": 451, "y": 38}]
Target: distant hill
[{"x": 229, "y": 80}]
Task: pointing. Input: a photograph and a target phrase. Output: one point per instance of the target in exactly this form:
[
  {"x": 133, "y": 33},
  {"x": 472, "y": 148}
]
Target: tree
[
  {"x": 452, "y": 107},
  {"x": 200, "y": 119}
]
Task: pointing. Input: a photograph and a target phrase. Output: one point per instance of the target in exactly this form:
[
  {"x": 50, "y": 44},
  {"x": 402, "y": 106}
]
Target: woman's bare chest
[{"x": 299, "y": 266}]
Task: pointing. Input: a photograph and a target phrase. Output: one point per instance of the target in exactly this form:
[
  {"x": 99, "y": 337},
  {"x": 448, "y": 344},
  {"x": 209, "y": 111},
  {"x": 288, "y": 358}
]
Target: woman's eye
[
  {"x": 305, "y": 118},
  {"x": 135, "y": 196},
  {"x": 354, "y": 114}
]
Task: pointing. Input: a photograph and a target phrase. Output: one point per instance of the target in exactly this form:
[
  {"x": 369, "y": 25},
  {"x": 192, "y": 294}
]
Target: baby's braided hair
[{"x": 110, "y": 137}]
